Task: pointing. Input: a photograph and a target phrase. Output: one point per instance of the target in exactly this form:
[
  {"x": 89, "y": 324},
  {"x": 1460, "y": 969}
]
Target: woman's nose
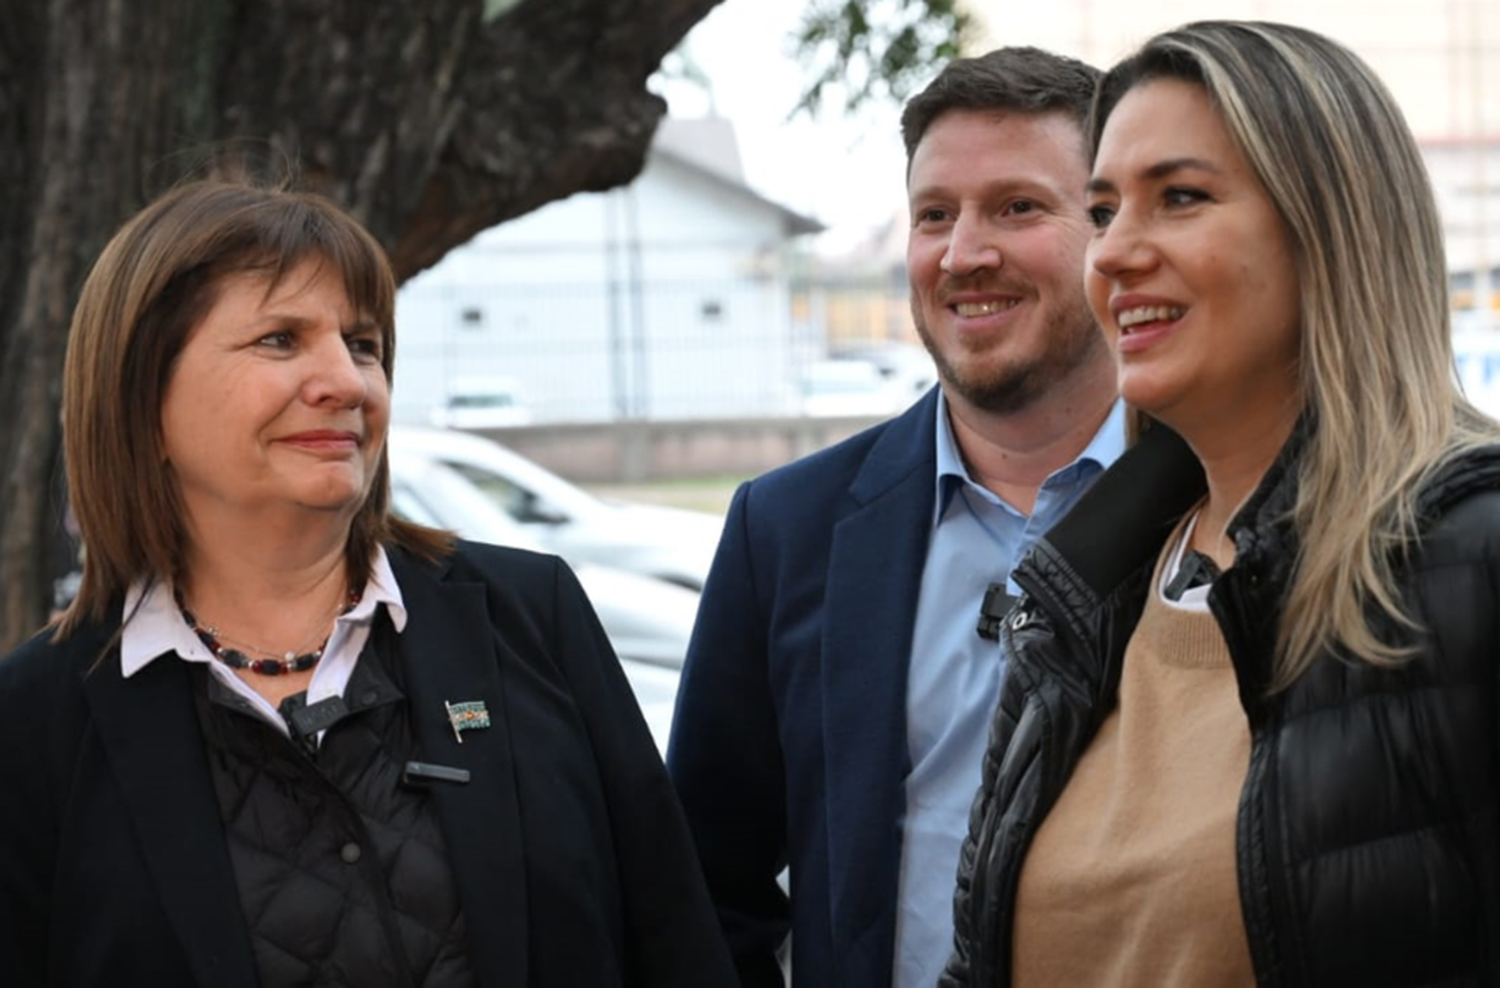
[
  {"x": 1118, "y": 247},
  {"x": 335, "y": 375}
]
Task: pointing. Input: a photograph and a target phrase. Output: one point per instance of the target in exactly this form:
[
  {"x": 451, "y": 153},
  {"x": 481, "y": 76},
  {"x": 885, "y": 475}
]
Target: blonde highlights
[{"x": 1335, "y": 156}]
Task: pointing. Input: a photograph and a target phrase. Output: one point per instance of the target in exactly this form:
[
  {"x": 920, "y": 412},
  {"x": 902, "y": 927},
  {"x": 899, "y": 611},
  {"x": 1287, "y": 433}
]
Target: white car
[
  {"x": 670, "y": 544},
  {"x": 647, "y": 620},
  {"x": 907, "y": 369},
  {"x": 847, "y": 388},
  {"x": 482, "y": 403}
]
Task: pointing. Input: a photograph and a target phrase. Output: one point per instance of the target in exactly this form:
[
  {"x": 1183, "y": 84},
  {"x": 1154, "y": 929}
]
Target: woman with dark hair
[
  {"x": 1249, "y": 730},
  {"x": 281, "y": 737}
]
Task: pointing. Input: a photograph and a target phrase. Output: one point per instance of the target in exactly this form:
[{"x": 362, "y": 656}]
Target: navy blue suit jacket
[
  {"x": 789, "y": 741},
  {"x": 569, "y": 852}
]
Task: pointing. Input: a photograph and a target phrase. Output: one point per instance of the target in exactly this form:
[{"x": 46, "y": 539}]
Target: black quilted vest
[{"x": 341, "y": 870}]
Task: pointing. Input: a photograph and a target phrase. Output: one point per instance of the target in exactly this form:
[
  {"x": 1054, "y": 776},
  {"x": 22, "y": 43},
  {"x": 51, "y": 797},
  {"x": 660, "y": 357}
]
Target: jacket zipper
[{"x": 989, "y": 933}]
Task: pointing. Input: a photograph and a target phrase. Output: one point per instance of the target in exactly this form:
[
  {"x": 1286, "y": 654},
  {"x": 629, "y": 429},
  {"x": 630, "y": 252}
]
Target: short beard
[{"x": 1075, "y": 341}]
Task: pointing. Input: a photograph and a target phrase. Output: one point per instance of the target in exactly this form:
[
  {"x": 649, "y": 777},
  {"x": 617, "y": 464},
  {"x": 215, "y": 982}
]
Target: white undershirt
[
  {"x": 154, "y": 628},
  {"x": 1193, "y": 598}
]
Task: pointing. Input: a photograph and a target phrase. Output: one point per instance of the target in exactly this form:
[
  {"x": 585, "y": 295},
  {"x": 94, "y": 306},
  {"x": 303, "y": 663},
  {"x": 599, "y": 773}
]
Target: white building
[
  {"x": 668, "y": 298},
  {"x": 1466, "y": 178}
]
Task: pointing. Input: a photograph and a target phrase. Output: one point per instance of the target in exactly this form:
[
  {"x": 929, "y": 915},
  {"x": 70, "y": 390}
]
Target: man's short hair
[{"x": 1024, "y": 80}]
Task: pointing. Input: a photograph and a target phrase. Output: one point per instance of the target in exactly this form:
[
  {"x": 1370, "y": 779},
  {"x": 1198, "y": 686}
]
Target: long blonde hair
[{"x": 1334, "y": 154}]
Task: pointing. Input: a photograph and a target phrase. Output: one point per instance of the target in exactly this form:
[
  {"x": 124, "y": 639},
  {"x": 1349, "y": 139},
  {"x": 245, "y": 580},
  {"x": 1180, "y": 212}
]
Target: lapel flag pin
[{"x": 470, "y": 715}]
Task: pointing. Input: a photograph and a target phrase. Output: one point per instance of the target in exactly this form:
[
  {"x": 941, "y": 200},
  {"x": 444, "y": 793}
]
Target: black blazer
[{"x": 568, "y": 846}]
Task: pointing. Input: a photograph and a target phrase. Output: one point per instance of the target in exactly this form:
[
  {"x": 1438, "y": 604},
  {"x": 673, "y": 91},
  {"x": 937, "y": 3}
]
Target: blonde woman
[{"x": 1249, "y": 731}]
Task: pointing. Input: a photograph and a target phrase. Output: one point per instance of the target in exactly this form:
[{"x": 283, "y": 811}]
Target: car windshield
[{"x": 515, "y": 500}]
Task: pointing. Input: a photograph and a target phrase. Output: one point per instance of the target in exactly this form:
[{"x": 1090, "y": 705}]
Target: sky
[{"x": 847, "y": 173}]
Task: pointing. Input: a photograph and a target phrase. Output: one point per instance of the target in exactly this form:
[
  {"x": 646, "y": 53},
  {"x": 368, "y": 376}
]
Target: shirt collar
[
  {"x": 153, "y": 626},
  {"x": 951, "y": 472},
  {"x": 1106, "y": 446}
]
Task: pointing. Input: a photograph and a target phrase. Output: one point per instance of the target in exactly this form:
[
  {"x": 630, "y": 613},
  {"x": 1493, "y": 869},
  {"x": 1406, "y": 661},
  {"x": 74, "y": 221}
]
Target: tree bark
[
  {"x": 85, "y": 84},
  {"x": 427, "y": 121}
]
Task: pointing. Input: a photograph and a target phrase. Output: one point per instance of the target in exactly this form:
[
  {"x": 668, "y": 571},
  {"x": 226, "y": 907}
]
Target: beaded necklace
[{"x": 213, "y": 640}]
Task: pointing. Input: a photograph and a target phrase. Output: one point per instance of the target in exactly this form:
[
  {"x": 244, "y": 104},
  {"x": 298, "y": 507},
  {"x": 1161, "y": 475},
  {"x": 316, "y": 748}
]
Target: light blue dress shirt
[{"x": 954, "y": 679}]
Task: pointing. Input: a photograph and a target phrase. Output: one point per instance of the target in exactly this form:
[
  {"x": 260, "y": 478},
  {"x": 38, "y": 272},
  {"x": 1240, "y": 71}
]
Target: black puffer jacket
[{"x": 1368, "y": 835}]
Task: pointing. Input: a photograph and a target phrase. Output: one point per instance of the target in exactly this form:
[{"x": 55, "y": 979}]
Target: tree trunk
[
  {"x": 91, "y": 80},
  {"x": 429, "y": 122}
]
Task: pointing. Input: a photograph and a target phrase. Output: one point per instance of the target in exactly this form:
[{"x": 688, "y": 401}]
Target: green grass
[{"x": 709, "y": 494}]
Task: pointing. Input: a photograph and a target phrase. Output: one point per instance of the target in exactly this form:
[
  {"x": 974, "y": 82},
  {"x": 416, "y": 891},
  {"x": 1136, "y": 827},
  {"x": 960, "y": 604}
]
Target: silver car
[
  {"x": 648, "y": 621},
  {"x": 670, "y": 544}
]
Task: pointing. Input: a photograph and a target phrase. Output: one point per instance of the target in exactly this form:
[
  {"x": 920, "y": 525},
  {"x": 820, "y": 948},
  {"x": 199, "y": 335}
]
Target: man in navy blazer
[{"x": 838, "y": 687}]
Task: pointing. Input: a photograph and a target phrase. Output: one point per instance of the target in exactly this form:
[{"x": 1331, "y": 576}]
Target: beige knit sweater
[{"x": 1131, "y": 880}]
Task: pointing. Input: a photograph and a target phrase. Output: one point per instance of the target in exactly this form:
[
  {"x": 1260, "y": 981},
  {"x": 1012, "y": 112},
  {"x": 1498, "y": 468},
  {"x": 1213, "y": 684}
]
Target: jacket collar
[
  {"x": 1122, "y": 521},
  {"x": 1119, "y": 526},
  {"x": 905, "y": 447},
  {"x": 1101, "y": 554},
  {"x": 450, "y": 653},
  {"x": 874, "y": 573},
  {"x": 149, "y": 728}
]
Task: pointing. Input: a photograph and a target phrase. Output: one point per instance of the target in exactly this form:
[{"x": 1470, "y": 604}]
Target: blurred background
[
  {"x": 754, "y": 271},
  {"x": 744, "y": 299},
  {"x": 604, "y": 308}
]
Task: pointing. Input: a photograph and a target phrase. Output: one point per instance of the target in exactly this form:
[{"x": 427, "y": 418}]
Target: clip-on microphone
[{"x": 992, "y": 611}]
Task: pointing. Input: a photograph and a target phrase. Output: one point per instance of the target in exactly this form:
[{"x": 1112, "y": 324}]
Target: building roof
[{"x": 708, "y": 145}]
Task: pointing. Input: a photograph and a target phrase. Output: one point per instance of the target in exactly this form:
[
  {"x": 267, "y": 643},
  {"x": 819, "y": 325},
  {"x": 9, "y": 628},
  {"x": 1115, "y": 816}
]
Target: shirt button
[{"x": 350, "y": 852}]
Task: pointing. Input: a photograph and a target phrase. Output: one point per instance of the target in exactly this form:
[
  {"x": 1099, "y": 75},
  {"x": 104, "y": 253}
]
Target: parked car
[
  {"x": 648, "y": 621},
  {"x": 482, "y": 403},
  {"x": 907, "y": 368},
  {"x": 847, "y": 387},
  {"x": 671, "y": 544}
]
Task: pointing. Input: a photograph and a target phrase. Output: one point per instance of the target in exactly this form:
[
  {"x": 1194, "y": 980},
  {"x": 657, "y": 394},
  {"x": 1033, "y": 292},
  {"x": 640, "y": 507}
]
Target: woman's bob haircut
[{"x": 153, "y": 283}]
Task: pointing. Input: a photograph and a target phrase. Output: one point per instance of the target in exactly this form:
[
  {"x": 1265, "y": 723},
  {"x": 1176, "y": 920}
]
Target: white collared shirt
[{"x": 154, "y": 629}]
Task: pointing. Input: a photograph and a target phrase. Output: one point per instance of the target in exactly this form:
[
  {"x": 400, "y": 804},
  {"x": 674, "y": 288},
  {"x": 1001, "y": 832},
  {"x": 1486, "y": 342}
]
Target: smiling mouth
[
  {"x": 971, "y": 309},
  {"x": 1130, "y": 318},
  {"x": 324, "y": 439}
]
